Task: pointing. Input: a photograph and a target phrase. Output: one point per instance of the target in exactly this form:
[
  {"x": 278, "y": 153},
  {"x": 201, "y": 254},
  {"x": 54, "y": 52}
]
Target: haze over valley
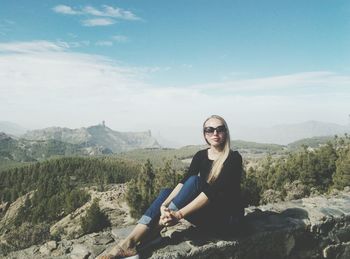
[{"x": 282, "y": 134}]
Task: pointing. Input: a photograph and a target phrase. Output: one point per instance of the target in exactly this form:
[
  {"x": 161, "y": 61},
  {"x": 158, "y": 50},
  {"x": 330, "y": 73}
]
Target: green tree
[
  {"x": 250, "y": 189},
  {"x": 141, "y": 192},
  {"x": 95, "y": 220},
  {"x": 341, "y": 178},
  {"x": 165, "y": 177}
]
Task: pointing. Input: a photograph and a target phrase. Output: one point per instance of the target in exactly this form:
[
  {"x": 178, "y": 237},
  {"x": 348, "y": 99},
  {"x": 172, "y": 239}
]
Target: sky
[{"x": 165, "y": 66}]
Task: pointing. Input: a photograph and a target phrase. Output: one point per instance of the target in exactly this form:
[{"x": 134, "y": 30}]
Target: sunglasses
[{"x": 219, "y": 129}]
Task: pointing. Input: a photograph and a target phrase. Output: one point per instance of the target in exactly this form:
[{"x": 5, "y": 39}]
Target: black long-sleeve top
[{"x": 225, "y": 192}]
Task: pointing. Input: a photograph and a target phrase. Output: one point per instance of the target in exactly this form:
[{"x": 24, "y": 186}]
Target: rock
[
  {"x": 309, "y": 228},
  {"x": 103, "y": 241},
  {"x": 79, "y": 252},
  {"x": 340, "y": 251},
  {"x": 121, "y": 233},
  {"x": 12, "y": 209},
  {"x": 4, "y": 206},
  {"x": 48, "y": 247}
]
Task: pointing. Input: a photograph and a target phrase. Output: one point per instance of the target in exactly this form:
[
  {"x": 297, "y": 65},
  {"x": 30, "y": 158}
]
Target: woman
[{"x": 208, "y": 196}]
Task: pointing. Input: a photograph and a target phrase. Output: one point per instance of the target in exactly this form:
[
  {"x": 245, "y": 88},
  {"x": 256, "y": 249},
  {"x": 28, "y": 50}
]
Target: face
[{"x": 217, "y": 137}]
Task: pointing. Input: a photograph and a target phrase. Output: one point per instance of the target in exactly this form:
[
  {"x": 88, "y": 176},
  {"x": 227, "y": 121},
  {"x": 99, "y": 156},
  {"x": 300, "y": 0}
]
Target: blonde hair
[{"x": 219, "y": 162}]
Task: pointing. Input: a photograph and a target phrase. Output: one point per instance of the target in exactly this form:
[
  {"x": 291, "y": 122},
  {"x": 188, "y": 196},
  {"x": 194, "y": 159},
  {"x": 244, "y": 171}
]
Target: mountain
[
  {"x": 287, "y": 133},
  {"x": 313, "y": 142},
  {"x": 96, "y": 136},
  {"x": 11, "y": 128},
  {"x": 14, "y": 151}
]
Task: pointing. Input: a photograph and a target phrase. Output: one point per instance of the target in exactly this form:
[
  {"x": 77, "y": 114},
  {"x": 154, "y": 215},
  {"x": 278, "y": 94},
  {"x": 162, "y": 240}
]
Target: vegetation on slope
[
  {"x": 144, "y": 189},
  {"x": 95, "y": 220},
  {"x": 313, "y": 142},
  {"x": 57, "y": 187},
  {"x": 299, "y": 173}
]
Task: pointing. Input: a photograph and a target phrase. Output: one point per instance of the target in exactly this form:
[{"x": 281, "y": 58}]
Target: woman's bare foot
[{"x": 120, "y": 251}]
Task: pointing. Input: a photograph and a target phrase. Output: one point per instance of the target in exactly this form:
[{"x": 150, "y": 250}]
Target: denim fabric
[
  {"x": 190, "y": 190},
  {"x": 153, "y": 212},
  {"x": 206, "y": 217}
]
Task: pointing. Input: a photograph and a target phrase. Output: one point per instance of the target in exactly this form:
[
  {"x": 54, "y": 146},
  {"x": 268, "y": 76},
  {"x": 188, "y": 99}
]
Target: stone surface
[
  {"x": 79, "y": 252},
  {"x": 315, "y": 227},
  {"x": 48, "y": 247}
]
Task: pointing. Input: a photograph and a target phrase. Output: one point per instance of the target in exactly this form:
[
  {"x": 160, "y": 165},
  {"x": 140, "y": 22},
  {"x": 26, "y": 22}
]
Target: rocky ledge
[{"x": 314, "y": 227}]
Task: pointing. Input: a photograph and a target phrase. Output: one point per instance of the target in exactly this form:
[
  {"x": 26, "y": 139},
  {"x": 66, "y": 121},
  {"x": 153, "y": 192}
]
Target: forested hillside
[
  {"x": 14, "y": 152},
  {"x": 299, "y": 174},
  {"x": 62, "y": 174},
  {"x": 56, "y": 187}
]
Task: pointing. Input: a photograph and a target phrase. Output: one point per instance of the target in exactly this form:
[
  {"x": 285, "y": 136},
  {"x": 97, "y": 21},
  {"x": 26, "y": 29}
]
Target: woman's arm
[
  {"x": 199, "y": 202},
  {"x": 172, "y": 194},
  {"x": 173, "y": 217},
  {"x": 164, "y": 211}
]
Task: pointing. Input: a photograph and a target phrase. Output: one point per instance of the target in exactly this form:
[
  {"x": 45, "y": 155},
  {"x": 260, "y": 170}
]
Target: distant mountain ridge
[
  {"x": 11, "y": 128},
  {"x": 105, "y": 137},
  {"x": 287, "y": 133},
  {"x": 98, "y": 135},
  {"x": 19, "y": 150}
]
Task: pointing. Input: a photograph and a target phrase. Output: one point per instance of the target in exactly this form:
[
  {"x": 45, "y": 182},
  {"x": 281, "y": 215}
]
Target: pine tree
[
  {"x": 166, "y": 177},
  {"x": 134, "y": 199},
  {"x": 141, "y": 192},
  {"x": 94, "y": 220},
  {"x": 341, "y": 178}
]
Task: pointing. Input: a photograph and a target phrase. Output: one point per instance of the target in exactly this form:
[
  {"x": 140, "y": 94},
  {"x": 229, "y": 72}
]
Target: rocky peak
[{"x": 97, "y": 136}]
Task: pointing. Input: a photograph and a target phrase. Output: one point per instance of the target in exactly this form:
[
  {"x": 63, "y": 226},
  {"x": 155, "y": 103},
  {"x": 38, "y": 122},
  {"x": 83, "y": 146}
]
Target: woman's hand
[
  {"x": 163, "y": 210},
  {"x": 164, "y": 215},
  {"x": 172, "y": 218}
]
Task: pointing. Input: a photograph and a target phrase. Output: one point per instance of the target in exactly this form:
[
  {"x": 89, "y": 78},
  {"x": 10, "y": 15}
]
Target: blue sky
[{"x": 75, "y": 63}]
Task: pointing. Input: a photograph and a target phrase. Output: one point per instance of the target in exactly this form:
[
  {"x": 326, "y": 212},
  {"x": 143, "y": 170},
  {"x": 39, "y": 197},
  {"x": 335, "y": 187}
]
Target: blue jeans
[{"x": 204, "y": 217}]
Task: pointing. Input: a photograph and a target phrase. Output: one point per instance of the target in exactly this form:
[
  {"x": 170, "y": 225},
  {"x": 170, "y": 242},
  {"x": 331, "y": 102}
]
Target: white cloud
[
  {"x": 48, "y": 86},
  {"x": 65, "y": 9},
  {"x": 77, "y": 44},
  {"x": 154, "y": 69},
  {"x": 119, "y": 13},
  {"x": 306, "y": 80},
  {"x": 120, "y": 38},
  {"x": 93, "y": 11},
  {"x": 105, "y": 11},
  {"x": 32, "y": 46},
  {"x": 104, "y": 43},
  {"x": 98, "y": 22}
]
